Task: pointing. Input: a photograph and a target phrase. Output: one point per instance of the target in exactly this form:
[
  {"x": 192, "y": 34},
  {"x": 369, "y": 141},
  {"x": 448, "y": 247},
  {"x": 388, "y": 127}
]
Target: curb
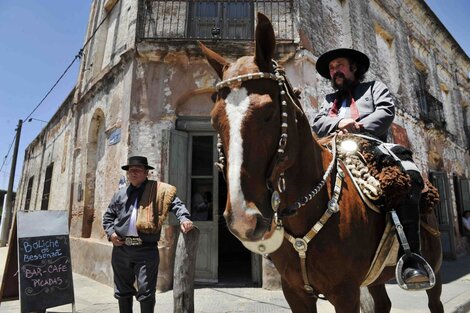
[{"x": 459, "y": 304}]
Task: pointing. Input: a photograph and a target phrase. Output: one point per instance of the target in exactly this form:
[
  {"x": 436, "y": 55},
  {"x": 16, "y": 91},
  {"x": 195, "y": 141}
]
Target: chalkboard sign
[{"x": 45, "y": 271}]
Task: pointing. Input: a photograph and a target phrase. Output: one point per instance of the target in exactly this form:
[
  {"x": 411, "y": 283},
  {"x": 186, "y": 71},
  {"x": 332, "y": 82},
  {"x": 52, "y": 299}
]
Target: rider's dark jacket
[{"x": 374, "y": 104}]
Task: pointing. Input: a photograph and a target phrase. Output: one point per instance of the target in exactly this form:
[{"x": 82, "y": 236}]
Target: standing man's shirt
[{"x": 370, "y": 101}]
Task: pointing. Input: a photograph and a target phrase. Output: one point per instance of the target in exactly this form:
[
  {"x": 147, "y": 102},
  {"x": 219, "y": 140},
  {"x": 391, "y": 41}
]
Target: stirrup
[
  {"x": 410, "y": 255},
  {"x": 414, "y": 286}
]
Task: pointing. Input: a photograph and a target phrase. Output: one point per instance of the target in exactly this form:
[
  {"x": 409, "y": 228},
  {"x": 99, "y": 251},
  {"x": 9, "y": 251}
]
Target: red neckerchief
[{"x": 352, "y": 107}]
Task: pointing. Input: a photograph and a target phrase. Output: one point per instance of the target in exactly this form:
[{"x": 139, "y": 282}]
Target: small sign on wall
[{"x": 114, "y": 136}]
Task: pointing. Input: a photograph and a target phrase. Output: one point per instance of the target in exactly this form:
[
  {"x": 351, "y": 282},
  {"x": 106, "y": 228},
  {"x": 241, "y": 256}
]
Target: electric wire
[{"x": 6, "y": 156}]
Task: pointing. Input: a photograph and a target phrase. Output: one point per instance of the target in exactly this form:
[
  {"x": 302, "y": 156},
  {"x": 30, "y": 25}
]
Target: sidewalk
[{"x": 93, "y": 297}]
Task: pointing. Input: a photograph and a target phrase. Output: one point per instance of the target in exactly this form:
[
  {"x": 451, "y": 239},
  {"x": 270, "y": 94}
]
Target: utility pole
[{"x": 7, "y": 210}]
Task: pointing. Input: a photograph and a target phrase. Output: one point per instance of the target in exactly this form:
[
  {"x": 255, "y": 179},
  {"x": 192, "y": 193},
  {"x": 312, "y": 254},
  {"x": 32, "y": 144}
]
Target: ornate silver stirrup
[
  {"x": 410, "y": 255},
  {"x": 414, "y": 286}
]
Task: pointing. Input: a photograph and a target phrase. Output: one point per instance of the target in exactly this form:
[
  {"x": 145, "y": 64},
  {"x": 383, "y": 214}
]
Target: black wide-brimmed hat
[
  {"x": 323, "y": 62},
  {"x": 137, "y": 161}
]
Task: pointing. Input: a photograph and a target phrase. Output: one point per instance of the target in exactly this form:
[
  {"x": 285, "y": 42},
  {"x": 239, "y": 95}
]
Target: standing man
[
  {"x": 367, "y": 107},
  {"x": 135, "y": 256}
]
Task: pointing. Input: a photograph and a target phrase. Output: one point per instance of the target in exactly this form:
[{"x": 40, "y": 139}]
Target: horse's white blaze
[{"x": 236, "y": 105}]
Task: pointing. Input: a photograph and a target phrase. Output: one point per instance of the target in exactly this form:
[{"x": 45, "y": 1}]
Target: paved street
[{"x": 93, "y": 297}]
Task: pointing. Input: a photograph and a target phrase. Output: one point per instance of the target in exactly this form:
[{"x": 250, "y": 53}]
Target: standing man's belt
[{"x": 133, "y": 241}]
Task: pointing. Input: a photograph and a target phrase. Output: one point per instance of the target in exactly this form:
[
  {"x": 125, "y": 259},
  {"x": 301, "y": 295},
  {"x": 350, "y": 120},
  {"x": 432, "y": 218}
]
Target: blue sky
[
  {"x": 41, "y": 38},
  {"x": 454, "y": 14}
]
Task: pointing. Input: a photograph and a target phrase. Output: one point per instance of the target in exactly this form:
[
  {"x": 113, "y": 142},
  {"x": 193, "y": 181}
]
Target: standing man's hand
[
  {"x": 348, "y": 125},
  {"x": 116, "y": 240},
  {"x": 186, "y": 226}
]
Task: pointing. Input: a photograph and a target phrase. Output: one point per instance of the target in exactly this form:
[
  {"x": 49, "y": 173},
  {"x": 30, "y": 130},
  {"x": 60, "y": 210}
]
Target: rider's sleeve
[
  {"x": 323, "y": 125},
  {"x": 379, "y": 121}
]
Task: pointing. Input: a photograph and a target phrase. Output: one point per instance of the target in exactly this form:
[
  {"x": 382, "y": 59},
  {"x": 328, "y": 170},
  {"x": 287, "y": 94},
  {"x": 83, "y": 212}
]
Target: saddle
[{"x": 379, "y": 172}]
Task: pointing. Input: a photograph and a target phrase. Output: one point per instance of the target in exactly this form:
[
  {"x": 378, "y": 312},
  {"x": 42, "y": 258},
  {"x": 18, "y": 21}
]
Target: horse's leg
[
  {"x": 346, "y": 299},
  {"x": 382, "y": 303},
  {"x": 299, "y": 301},
  {"x": 434, "y": 295}
]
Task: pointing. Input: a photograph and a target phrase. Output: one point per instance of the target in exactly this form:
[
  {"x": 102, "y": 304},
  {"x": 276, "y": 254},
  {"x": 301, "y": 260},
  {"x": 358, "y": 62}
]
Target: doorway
[
  {"x": 221, "y": 259},
  {"x": 234, "y": 259}
]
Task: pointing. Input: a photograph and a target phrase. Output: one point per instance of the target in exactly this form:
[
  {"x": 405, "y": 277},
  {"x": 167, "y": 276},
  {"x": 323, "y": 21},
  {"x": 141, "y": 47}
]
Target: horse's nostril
[{"x": 261, "y": 226}]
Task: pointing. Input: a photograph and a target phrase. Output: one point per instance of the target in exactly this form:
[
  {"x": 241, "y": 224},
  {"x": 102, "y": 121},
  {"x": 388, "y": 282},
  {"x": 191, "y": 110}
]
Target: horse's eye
[
  {"x": 223, "y": 93},
  {"x": 214, "y": 97}
]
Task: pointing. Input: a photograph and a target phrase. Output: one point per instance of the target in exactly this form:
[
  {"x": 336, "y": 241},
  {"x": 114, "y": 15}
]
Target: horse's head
[{"x": 251, "y": 118}]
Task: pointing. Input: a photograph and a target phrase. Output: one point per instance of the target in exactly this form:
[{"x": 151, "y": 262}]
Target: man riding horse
[{"x": 367, "y": 107}]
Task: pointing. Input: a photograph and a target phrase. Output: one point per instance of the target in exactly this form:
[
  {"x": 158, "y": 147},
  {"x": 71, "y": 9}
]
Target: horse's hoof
[{"x": 414, "y": 276}]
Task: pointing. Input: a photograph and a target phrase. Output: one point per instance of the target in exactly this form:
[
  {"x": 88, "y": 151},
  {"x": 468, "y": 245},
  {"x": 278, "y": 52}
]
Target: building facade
[{"x": 144, "y": 88}]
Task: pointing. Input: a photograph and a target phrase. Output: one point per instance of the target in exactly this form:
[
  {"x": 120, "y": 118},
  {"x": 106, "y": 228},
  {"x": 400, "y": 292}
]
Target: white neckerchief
[
  {"x": 132, "y": 230},
  {"x": 343, "y": 109}
]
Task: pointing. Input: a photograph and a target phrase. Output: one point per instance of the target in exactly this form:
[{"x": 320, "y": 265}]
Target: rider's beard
[{"x": 343, "y": 87}]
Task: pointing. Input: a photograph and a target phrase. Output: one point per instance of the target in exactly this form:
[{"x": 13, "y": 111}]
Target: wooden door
[
  {"x": 203, "y": 202},
  {"x": 444, "y": 213},
  {"x": 192, "y": 171}
]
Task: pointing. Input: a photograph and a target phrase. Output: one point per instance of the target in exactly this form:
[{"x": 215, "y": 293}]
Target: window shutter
[{"x": 178, "y": 165}]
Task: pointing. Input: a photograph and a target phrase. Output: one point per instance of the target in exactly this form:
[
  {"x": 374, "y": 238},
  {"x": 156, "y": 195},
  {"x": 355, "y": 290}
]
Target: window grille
[
  {"x": 431, "y": 109},
  {"x": 214, "y": 20}
]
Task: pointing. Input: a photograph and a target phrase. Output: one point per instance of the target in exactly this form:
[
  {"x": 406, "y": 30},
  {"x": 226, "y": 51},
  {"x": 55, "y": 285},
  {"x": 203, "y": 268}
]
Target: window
[
  {"x": 422, "y": 77},
  {"x": 221, "y": 20},
  {"x": 430, "y": 109},
  {"x": 388, "y": 57},
  {"x": 218, "y": 20},
  {"x": 444, "y": 213},
  {"x": 442, "y": 208},
  {"x": 29, "y": 190},
  {"x": 47, "y": 187}
]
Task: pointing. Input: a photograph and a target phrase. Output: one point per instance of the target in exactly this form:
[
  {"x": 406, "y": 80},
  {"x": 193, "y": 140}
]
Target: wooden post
[
  {"x": 185, "y": 268},
  {"x": 166, "y": 250}
]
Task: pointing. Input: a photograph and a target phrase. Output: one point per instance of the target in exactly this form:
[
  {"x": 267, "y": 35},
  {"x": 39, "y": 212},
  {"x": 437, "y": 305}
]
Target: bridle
[
  {"x": 287, "y": 98},
  {"x": 277, "y": 233}
]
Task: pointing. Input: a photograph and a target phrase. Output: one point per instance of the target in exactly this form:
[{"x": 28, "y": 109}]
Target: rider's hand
[{"x": 348, "y": 125}]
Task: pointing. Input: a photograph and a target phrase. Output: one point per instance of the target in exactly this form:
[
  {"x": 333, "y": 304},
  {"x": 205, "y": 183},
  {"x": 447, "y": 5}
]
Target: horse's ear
[
  {"x": 265, "y": 42},
  {"x": 215, "y": 60}
]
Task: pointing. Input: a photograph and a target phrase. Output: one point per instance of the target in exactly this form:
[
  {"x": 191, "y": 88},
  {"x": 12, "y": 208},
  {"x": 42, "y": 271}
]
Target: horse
[{"x": 274, "y": 166}]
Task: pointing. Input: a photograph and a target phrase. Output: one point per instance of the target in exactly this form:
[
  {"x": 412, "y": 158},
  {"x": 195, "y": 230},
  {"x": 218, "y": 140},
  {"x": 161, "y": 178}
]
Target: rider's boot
[{"x": 409, "y": 215}]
